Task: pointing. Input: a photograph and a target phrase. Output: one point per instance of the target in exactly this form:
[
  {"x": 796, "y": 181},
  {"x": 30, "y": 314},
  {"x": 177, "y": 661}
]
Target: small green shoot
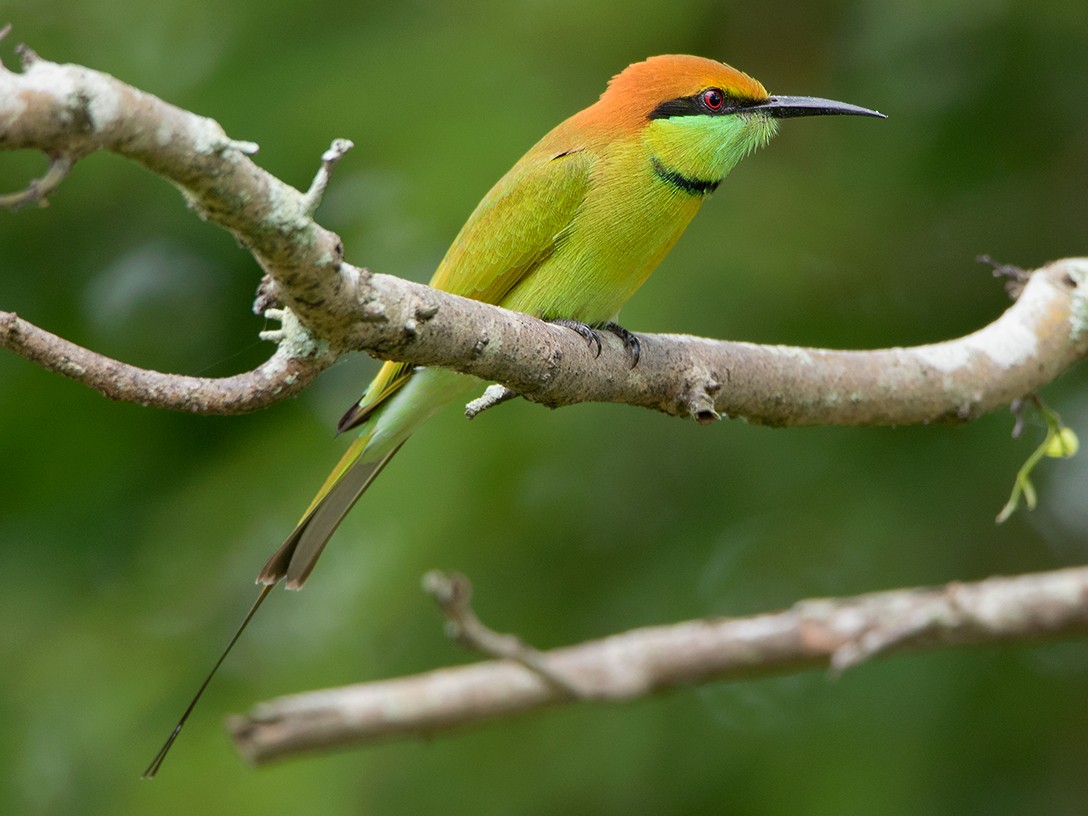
[{"x": 1060, "y": 443}]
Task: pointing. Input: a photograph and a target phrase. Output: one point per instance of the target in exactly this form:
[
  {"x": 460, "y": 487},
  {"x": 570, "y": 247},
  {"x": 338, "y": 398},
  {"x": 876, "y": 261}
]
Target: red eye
[{"x": 713, "y": 99}]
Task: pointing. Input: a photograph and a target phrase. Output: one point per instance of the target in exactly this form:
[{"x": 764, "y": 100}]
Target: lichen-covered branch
[
  {"x": 72, "y": 111},
  {"x": 68, "y": 111},
  {"x": 836, "y": 633}
]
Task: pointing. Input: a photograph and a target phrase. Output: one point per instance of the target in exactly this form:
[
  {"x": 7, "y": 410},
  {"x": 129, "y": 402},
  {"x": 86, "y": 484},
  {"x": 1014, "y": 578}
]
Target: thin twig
[
  {"x": 493, "y": 395},
  {"x": 329, "y": 159},
  {"x": 38, "y": 189},
  {"x": 453, "y": 593}
]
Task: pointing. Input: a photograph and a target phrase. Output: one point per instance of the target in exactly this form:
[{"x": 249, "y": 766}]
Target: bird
[{"x": 567, "y": 235}]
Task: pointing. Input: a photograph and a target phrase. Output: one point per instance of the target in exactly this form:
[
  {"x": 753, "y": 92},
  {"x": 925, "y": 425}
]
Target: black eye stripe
[{"x": 696, "y": 105}]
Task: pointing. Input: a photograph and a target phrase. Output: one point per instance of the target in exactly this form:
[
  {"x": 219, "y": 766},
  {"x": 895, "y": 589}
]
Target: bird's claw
[
  {"x": 587, "y": 332},
  {"x": 629, "y": 339},
  {"x": 592, "y": 337}
]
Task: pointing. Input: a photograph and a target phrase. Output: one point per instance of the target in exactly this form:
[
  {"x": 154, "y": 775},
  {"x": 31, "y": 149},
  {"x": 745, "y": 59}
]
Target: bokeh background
[{"x": 129, "y": 537}]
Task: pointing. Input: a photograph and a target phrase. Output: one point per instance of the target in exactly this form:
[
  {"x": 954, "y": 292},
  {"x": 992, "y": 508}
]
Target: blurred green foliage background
[{"x": 129, "y": 537}]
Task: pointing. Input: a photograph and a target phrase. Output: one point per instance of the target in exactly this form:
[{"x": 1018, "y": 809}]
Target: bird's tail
[
  {"x": 353, "y": 474},
  {"x": 399, "y": 400},
  {"x": 299, "y": 552},
  {"x": 296, "y": 556},
  {"x": 156, "y": 763}
]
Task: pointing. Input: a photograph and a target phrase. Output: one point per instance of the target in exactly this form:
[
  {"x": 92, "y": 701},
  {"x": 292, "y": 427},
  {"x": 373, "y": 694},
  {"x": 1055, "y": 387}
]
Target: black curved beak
[{"x": 787, "y": 107}]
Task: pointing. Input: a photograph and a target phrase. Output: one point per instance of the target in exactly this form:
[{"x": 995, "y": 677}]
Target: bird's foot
[
  {"x": 587, "y": 332},
  {"x": 629, "y": 339},
  {"x": 592, "y": 337}
]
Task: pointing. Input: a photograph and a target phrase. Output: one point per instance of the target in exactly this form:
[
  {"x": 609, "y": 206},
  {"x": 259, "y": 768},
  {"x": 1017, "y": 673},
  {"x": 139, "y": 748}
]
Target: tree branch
[
  {"x": 838, "y": 633},
  {"x": 279, "y": 377},
  {"x": 69, "y": 111},
  {"x": 1034, "y": 341}
]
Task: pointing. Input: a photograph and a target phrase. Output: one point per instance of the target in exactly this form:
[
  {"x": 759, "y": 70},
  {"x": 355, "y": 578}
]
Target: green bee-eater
[{"x": 568, "y": 235}]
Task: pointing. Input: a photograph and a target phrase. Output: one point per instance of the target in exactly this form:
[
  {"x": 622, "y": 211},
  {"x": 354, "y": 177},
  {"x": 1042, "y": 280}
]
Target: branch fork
[{"x": 453, "y": 593}]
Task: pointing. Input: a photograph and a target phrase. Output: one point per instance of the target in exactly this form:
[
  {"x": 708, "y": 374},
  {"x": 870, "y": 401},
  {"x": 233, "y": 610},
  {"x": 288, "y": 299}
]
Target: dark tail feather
[
  {"x": 296, "y": 556},
  {"x": 294, "y": 560},
  {"x": 389, "y": 379},
  {"x": 156, "y": 763},
  {"x": 353, "y": 417}
]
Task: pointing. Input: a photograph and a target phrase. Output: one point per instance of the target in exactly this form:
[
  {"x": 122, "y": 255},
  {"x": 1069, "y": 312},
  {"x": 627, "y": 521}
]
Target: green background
[{"x": 129, "y": 537}]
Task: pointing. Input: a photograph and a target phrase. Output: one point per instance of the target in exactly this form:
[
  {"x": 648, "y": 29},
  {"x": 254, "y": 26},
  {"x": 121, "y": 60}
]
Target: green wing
[{"x": 519, "y": 223}]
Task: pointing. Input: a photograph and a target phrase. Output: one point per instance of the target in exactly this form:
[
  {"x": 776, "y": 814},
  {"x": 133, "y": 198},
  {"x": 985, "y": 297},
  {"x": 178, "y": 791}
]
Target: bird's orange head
[
  {"x": 693, "y": 118},
  {"x": 633, "y": 95}
]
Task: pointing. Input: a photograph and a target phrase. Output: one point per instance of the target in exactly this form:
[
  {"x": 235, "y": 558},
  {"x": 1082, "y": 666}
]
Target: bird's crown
[{"x": 641, "y": 88}]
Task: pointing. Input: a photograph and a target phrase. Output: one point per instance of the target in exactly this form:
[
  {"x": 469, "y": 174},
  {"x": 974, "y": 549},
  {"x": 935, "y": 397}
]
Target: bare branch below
[{"x": 837, "y": 632}]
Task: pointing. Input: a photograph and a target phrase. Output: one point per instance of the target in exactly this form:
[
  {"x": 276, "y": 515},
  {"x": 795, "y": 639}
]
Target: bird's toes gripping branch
[
  {"x": 629, "y": 339},
  {"x": 591, "y": 335}
]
